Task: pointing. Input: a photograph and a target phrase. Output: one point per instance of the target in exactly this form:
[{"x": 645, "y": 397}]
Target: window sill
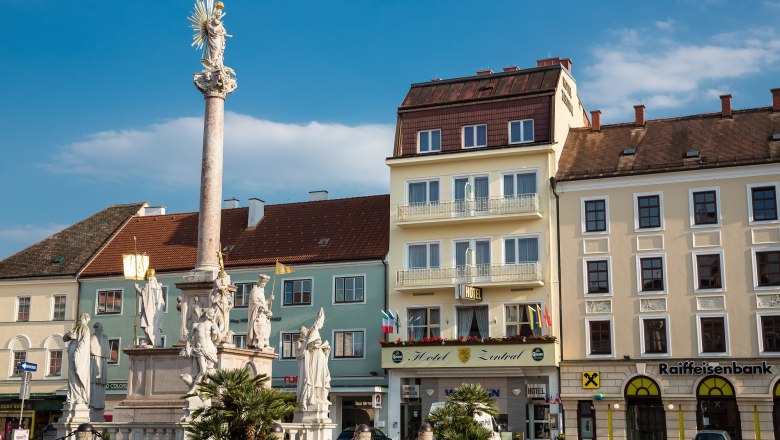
[
  {"x": 597, "y": 295},
  {"x": 706, "y": 225}
]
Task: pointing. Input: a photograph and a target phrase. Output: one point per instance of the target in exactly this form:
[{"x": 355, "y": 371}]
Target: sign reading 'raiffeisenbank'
[
  {"x": 688, "y": 367},
  {"x": 501, "y": 355}
]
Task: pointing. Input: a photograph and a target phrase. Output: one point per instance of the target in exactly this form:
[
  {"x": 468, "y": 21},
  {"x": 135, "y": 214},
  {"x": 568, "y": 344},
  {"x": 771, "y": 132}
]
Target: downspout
[
  {"x": 554, "y": 185},
  {"x": 387, "y": 304}
]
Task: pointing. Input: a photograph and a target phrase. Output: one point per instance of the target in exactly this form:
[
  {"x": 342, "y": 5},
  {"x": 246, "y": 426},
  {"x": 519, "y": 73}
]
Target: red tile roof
[
  {"x": 356, "y": 229},
  {"x": 661, "y": 145}
]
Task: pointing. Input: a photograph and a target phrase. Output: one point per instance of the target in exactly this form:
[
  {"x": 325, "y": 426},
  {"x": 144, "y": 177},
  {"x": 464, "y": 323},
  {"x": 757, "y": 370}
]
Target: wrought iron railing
[
  {"x": 480, "y": 206},
  {"x": 527, "y": 272}
]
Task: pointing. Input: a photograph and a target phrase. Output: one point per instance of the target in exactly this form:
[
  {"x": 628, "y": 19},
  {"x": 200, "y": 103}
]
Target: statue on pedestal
[
  {"x": 78, "y": 362},
  {"x": 152, "y": 308},
  {"x": 216, "y": 79},
  {"x": 201, "y": 348},
  {"x": 222, "y": 303},
  {"x": 100, "y": 351},
  {"x": 313, "y": 371},
  {"x": 259, "y": 322}
]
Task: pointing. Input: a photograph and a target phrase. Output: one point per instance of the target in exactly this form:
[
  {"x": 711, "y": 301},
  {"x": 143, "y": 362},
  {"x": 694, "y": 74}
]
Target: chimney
[
  {"x": 595, "y": 118},
  {"x": 230, "y": 203},
  {"x": 484, "y": 72},
  {"x": 153, "y": 210},
  {"x": 565, "y": 62},
  {"x": 725, "y": 105},
  {"x": 775, "y": 100},
  {"x": 315, "y": 196},
  {"x": 256, "y": 212},
  {"x": 639, "y": 111},
  {"x": 511, "y": 69}
]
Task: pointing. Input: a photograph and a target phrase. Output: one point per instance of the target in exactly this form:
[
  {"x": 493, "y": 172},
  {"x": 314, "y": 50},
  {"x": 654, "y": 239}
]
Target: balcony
[
  {"x": 483, "y": 209},
  {"x": 484, "y": 275}
]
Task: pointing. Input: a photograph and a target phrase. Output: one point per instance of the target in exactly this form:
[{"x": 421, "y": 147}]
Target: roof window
[
  {"x": 776, "y": 137},
  {"x": 58, "y": 260},
  {"x": 323, "y": 241},
  {"x": 628, "y": 152},
  {"x": 692, "y": 154}
]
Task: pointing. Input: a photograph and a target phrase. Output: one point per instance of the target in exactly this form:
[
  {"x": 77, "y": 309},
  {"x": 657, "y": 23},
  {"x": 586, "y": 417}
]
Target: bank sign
[
  {"x": 690, "y": 368},
  {"x": 505, "y": 355}
]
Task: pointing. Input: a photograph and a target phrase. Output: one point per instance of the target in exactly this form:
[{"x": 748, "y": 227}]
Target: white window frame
[
  {"x": 430, "y": 138},
  {"x": 583, "y": 219},
  {"x": 699, "y": 344},
  {"x": 761, "y": 351},
  {"x": 750, "y": 202},
  {"x": 311, "y": 303},
  {"x": 54, "y": 303},
  {"x": 427, "y": 243},
  {"x": 638, "y": 260},
  {"x": 407, "y": 202},
  {"x": 349, "y": 275},
  {"x": 519, "y": 304},
  {"x": 292, "y": 347},
  {"x": 696, "y": 287},
  {"x": 611, "y": 337},
  {"x": 642, "y": 319},
  {"x": 440, "y": 307},
  {"x": 534, "y": 171},
  {"x": 661, "y": 219},
  {"x": 753, "y": 253},
  {"x": 522, "y": 131},
  {"x": 475, "y": 127},
  {"x": 121, "y": 303},
  {"x": 539, "y": 247},
  {"x": 13, "y": 351},
  {"x": 17, "y": 308},
  {"x": 246, "y": 341},
  {"x": 48, "y": 362},
  {"x": 351, "y": 358},
  {"x": 247, "y": 296},
  {"x": 473, "y": 246},
  {"x": 691, "y": 206},
  {"x": 119, "y": 351},
  {"x": 585, "y": 276}
]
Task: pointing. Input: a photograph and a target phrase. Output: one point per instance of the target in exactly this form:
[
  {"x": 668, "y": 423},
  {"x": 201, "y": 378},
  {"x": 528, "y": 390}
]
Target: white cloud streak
[{"x": 17, "y": 237}]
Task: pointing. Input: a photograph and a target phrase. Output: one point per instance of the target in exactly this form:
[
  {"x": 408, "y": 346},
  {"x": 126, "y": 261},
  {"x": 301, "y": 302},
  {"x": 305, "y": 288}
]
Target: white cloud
[
  {"x": 261, "y": 157},
  {"x": 17, "y": 237},
  {"x": 642, "y": 67},
  {"x": 665, "y": 25}
]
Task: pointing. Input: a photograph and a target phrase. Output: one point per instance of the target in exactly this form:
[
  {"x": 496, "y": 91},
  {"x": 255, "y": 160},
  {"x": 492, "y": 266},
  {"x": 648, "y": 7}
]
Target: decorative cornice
[{"x": 216, "y": 83}]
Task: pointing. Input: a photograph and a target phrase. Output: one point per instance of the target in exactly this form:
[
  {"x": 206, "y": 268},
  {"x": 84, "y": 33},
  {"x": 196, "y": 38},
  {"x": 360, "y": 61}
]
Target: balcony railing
[
  {"x": 481, "y": 274},
  {"x": 527, "y": 204}
]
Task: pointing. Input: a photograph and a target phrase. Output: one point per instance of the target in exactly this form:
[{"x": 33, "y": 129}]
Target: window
[
  {"x": 473, "y": 322},
  {"x": 763, "y": 202},
  {"x": 521, "y": 250},
  {"x": 705, "y": 207},
  {"x": 289, "y": 341},
  {"x": 474, "y": 253},
  {"x": 349, "y": 344},
  {"x": 424, "y": 322},
  {"x": 19, "y": 358},
  {"x": 595, "y": 215},
  {"x": 113, "y": 348},
  {"x": 58, "y": 313},
  {"x": 712, "y": 334},
  {"x": 521, "y": 131},
  {"x": 423, "y": 193},
  {"x": 651, "y": 274},
  {"x": 708, "y": 271},
  {"x": 770, "y": 333},
  {"x": 423, "y": 256},
  {"x": 55, "y": 363},
  {"x": 654, "y": 335},
  {"x": 297, "y": 292},
  {"x": 475, "y": 136},
  {"x": 599, "y": 337},
  {"x": 517, "y": 184},
  {"x": 648, "y": 211},
  {"x": 468, "y": 189},
  {"x": 597, "y": 276},
  {"x": 349, "y": 290},
  {"x": 239, "y": 340},
  {"x": 241, "y": 297},
  {"x": 429, "y": 141},
  {"x": 109, "y": 302},
  {"x": 768, "y": 268},
  {"x": 517, "y": 320},
  {"x": 22, "y": 308}
]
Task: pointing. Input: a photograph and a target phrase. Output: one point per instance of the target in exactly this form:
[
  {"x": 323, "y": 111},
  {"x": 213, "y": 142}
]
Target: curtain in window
[
  {"x": 417, "y": 193},
  {"x": 460, "y": 253},
  {"x": 434, "y": 254},
  {"x": 433, "y": 191},
  {"x": 509, "y": 185},
  {"x": 465, "y": 318},
  {"x": 526, "y": 183},
  {"x": 483, "y": 257},
  {"x": 417, "y": 323},
  {"x": 481, "y": 314},
  {"x": 529, "y": 249},
  {"x": 417, "y": 256},
  {"x": 481, "y": 193},
  {"x": 460, "y": 188},
  {"x": 509, "y": 251}
]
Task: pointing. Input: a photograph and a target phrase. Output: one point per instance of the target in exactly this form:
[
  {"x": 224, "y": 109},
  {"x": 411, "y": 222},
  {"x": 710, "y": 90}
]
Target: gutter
[{"x": 553, "y": 186}]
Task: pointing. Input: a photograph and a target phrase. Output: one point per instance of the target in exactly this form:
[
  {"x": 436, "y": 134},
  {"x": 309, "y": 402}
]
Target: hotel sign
[
  {"x": 477, "y": 355},
  {"x": 690, "y": 368},
  {"x": 464, "y": 291}
]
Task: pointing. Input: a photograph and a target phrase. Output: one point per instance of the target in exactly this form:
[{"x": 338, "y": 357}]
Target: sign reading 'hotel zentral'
[
  {"x": 499, "y": 355},
  {"x": 688, "y": 367}
]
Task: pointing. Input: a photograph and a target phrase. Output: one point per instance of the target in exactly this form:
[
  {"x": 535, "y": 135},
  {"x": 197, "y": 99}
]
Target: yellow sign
[
  {"x": 464, "y": 353},
  {"x": 590, "y": 380},
  {"x": 472, "y": 355}
]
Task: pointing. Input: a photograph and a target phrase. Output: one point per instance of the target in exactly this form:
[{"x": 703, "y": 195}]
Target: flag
[
  {"x": 397, "y": 321},
  {"x": 531, "y": 318},
  {"x": 282, "y": 269},
  {"x": 547, "y": 316},
  {"x": 387, "y": 327},
  {"x": 539, "y": 316}
]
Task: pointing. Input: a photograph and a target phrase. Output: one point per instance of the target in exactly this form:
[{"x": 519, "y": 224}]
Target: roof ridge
[
  {"x": 488, "y": 75},
  {"x": 679, "y": 118}
]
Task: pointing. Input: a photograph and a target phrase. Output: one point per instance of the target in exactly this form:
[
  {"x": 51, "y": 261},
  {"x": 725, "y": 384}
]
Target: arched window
[
  {"x": 55, "y": 354},
  {"x": 715, "y": 386},
  {"x": 642, "y": 386},
  {"x": 717, "y": 406},
  {"x": 18, "y": 345},
  {"x": 645, "y": 414}
]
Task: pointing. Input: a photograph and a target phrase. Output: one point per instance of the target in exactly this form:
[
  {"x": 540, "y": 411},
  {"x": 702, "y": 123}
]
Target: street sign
[
  {"x": 24, "y": 391},
  {"x": 21, "y": 434},
  {"x": 28, "y": 366}
]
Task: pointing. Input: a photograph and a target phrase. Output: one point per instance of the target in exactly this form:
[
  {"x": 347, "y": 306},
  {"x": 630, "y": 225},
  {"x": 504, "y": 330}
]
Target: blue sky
[{"x": 99, "y": 107}]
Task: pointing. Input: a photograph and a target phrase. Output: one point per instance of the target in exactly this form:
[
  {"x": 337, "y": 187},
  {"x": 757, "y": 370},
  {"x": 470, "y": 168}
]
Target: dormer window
[
  {"x": 429, "y": 141},
  {"x": 521, "y": 131},
  {"x": 475, "y": 136}
]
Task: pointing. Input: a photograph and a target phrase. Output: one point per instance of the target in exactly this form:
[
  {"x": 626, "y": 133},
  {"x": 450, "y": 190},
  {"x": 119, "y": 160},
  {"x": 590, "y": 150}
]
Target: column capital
[{"x": 216, "y": 83}]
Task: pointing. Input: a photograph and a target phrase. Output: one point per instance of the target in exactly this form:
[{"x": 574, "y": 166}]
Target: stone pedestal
[
  {"x": 72, "y": 417},
  {"x": 312, "y": 414},
  {"x": 195, "y": 295}
]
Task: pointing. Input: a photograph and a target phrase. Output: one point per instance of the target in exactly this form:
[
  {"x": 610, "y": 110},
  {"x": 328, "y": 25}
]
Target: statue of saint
[
  {"x": 202, "y": 349},
  {"x": 152, "y": 308},
  {"x": 78, "y": 362},
  {"x": 259, "y": 322},
  {"x": 222, "y": 302},
  {"x": 100, "y": 352},
  {"x": 215, "y": 43},
  {"x": 313, "y": 371}
]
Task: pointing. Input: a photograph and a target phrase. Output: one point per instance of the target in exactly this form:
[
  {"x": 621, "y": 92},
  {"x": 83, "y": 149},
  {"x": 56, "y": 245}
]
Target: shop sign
[
  {"x": 590, "y": 380},
  {"x": 377, "y": 401},
  {"x": 116, "y": 386},
  {"x": 410, "y": 391},
  {"x": 479, "y": 356},
  {"x": 464, "y": 291},
  {"x": 290, "y": 379},
  {"x": 690, "y": 368},
  {"x": 21, "y": 434},
  {"x": 492, "y": 392},
  {"x": 536, "y": 390}
]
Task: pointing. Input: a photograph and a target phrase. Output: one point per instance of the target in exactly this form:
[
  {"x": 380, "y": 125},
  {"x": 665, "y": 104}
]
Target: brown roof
[
  {"x": 661, "y": 145},
  {"x": 355, "y": 229},
  {"x": 482, "y": 87},
  {"x": 67, "y": 251}
]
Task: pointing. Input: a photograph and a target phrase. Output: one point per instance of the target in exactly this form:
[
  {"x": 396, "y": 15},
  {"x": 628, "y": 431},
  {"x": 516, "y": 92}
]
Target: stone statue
[
  {"x": 216, "y": 79},
  {"x": 78, "y": 362},
  {"x": 313, "y": 371},
  {"x": 215, "y": 43},
  {"x": 259, "y": 322},
  {"x": 201, "y": 348},
  {"x": 152, "y": 308},
  {"x": 100, "y": 352},
  {"x": 222, "y": 302}
]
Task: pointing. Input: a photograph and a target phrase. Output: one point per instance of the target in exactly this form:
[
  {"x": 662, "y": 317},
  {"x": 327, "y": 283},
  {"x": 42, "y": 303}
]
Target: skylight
[
  {"x": 692, "y": 154},
  {"x": 629, "y": 152}
]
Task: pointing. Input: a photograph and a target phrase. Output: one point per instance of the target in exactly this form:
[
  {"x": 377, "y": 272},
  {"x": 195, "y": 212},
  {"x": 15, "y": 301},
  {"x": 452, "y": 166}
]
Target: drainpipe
[
  {"x": 387, "y": 304},
  {"x": 553, "y": 186}
]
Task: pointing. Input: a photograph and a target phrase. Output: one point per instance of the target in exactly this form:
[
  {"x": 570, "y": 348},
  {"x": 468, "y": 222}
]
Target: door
[
  {"x": 645, "y": 419},
  {"x": 538, "y": 421},
  {"x": 586, "y": 420},
  {"x": 411, "y": 420}
]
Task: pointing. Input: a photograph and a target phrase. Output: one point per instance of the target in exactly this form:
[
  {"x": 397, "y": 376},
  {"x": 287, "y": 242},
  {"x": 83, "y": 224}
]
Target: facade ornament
[{"x": 259, "y": 322}]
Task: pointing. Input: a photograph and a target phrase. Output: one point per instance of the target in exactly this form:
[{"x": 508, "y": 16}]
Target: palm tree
[
  {"x": 241, "y": 406},
  {"x": 455, "y": 420},
  {"x": 474, "y": 398}
]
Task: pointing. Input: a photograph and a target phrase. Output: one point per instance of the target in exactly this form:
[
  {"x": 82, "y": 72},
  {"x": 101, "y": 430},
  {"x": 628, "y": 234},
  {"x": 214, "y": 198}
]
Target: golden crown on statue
[{"x": 219, "y": 5}]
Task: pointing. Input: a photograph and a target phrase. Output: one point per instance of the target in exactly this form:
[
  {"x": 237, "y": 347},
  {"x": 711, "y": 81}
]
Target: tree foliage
[
  {"x": 241, "y": 406},
  {"x": 455, "y": 420}
]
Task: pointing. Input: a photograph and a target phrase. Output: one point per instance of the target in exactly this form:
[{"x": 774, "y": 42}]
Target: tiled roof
[
  {"x": 67, "y": 251},
  {"x": 324, "y": 231},
  {"x": 661, "y": 145},
  {"x": 482, "y": 87}
]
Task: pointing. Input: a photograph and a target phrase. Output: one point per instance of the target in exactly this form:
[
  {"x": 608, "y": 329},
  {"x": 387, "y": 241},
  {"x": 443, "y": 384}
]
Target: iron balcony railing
[
  {"x": 481, "y": 206},
  {"x": 527, "y": 272}
]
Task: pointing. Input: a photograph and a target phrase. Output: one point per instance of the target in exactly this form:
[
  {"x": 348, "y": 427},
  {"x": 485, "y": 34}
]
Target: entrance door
[
  {"x": 538, "y": 421},
  {"x": 586, "y": 420},
  {"x": 717, "y": 406},
  {"x": 411, "y": 420},
  {"x": 645, "y": 419}
]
